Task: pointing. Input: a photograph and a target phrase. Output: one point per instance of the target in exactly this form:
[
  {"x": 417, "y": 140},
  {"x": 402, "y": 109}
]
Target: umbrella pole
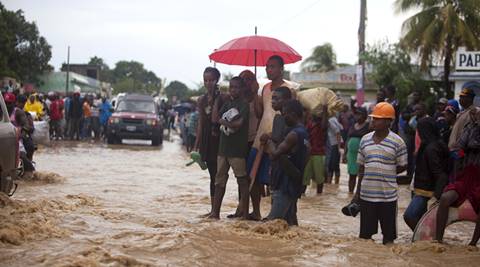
[{"x": 255, "y": 59}]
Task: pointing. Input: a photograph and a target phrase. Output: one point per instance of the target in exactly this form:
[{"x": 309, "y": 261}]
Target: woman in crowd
[
  {"x": 208, "y": 129},
  {"x": 359, "y": 129}
]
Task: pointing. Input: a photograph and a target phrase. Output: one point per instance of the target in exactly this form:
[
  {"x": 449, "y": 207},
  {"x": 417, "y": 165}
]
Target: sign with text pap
[{"x": 467, "y": 60}]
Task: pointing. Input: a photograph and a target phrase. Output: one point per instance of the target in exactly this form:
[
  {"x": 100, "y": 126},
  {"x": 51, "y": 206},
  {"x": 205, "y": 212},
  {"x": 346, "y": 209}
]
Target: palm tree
[
  {"x": 323, "y": 58},
  {"x": 438, "y": 29}
]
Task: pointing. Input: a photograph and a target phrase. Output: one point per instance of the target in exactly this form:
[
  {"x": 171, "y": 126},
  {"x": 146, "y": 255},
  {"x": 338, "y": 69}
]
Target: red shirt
[
  {"x": 56, "y": 110},
  {"x": 317, "y": 138}
]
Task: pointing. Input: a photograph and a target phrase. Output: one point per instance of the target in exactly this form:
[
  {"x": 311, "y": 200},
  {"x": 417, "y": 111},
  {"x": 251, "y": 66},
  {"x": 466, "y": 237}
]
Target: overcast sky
[{"x": 174, "y": 38}]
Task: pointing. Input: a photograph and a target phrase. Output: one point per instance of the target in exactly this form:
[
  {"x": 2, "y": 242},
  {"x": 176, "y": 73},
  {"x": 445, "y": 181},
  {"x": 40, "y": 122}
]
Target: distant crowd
[{"x": 74, "y": 117}]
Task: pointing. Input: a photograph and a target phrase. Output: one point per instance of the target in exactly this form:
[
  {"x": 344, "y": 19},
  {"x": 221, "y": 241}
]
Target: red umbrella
[{"x": 254, "y": 51}]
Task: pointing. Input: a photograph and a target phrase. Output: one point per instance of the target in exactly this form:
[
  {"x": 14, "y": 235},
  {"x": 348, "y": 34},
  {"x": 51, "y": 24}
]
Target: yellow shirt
[{"x": 36, "y": 107}]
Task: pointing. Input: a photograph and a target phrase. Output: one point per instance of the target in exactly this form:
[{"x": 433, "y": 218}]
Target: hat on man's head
[
  {"x": 454, "y": 103},
  {"x": 452, "y": 109},
  {"x": 443, "y": 100},
  {"x": 467, "y": 92}
]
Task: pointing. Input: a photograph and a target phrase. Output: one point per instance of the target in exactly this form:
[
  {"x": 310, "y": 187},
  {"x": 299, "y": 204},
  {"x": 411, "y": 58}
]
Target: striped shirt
[{"x": 379, "y": 182}]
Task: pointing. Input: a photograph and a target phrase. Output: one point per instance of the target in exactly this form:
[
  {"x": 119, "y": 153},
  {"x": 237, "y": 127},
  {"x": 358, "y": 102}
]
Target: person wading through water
[
  {"x": 233, "y": 148},
  {"x": 208, "y": 129}
]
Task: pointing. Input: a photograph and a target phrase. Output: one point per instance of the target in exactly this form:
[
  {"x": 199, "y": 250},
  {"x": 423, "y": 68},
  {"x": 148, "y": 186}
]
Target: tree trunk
[{"x": 446, "y": 68}]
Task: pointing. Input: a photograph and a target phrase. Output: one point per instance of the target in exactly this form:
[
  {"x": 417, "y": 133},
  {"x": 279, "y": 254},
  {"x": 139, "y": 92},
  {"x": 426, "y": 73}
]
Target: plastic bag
[
  {"x": 313, "y": 100},
  {"x": 41, "y": 134},
  {"x": 229, "y": 116}
]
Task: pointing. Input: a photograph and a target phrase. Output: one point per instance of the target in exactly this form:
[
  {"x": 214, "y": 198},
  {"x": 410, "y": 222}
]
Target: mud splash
[
  {"x": 41, "y": 177},
  {"x": 27, "y": 220},
  {"x": 98, "y": 256}
]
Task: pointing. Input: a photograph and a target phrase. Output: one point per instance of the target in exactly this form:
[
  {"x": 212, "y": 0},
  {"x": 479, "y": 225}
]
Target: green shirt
[{"x": 235, "y": 145}]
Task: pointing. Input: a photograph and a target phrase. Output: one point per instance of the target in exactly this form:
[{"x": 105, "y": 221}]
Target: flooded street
[{"x": 136, "y": 205}]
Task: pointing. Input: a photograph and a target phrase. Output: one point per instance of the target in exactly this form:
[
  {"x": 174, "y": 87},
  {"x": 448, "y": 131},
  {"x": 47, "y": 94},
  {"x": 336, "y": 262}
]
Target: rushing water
[{"x": 134, "y": 205}]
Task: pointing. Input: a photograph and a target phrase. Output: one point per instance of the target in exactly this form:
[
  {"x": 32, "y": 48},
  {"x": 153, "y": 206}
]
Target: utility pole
[
  {"x": 68, "y": 72},
  {"x": 255, "y": 55},
  {"x": 361, "y": 50}
]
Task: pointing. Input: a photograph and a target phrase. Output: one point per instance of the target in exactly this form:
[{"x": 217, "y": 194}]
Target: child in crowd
[{"x": 233, "y": 148}]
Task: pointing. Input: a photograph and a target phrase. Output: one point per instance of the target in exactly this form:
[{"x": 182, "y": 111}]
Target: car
[
  {"x": 10, "y": 156},
  {"x": 135, "y": 117}
]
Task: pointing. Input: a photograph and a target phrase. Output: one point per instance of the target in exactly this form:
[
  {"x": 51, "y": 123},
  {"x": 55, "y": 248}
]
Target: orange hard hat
[{"x": 383, "y": 110}]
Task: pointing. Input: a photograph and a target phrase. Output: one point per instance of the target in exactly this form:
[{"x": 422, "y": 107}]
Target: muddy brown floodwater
[{"x": 133, "y": 205}]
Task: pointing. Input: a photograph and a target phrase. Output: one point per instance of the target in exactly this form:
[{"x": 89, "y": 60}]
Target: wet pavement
[{"x": 93, "y": 204}]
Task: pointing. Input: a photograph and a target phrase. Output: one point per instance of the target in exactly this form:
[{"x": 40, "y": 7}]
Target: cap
[
  {"x": 452, "y": 109},
  {"x": 467, "y": 92},
  {"x": 454, "y": 103},
  {"x": 443, "y": 100}
]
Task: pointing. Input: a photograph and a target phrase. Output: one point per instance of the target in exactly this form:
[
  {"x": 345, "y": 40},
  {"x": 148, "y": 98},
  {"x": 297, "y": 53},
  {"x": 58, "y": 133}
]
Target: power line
[{"x": 307, "y": 8}]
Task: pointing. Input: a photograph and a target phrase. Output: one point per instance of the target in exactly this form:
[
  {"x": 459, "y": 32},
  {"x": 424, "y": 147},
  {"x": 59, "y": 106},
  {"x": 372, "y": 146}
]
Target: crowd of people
[
  {"x": 74, "y": 117},
  {"x": 277, "y": 147}
]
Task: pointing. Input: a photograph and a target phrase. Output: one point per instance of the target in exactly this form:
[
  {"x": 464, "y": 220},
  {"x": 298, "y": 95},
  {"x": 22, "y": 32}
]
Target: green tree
[
  {"x": 323, "y": 59},
  {"x": 438, "y": 29},
  {"x": 178, "y": 89},
  {"x": 142, "y": 80},
  {"x": 392, "y": 66},
  {"x": 105, "y": 72},
  {"x": 24, "y": 54},
  {"x": 124, "y": 85}
]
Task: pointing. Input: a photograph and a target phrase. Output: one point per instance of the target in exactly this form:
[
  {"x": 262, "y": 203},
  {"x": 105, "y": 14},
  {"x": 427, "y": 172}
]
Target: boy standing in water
[
  {"x": 233, "y": 148},
  {"x": 287, "y": 187},
  {"x": 381, "y": 156}
]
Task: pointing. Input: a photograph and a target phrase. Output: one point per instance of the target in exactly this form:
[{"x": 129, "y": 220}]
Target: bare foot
[
  {"x": 254, "y": 217},
  {"x": 213, "y": 217},
  {"x": 205, "y": 215}
]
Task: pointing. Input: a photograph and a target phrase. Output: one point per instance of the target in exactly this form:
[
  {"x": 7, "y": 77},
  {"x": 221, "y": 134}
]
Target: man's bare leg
[{"x": 447, "y": 199}]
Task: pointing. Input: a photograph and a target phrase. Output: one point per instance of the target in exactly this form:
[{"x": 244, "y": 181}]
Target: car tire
[
  {"x": 156, "y": 141},
  {"x": 111, "y": 140}
]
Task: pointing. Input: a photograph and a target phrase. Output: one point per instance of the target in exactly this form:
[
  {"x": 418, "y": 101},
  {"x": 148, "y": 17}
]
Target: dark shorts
[
  {"x": 371, "y": 213},
  {"x": 263, "y": 173}
]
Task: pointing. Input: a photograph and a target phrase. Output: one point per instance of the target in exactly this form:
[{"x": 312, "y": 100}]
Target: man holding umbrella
[{"x": 274, "y": 69}]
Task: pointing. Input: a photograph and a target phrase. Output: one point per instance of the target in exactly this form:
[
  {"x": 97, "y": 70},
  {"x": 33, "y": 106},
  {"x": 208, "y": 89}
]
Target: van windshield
[{"x": 136, "y": 106}]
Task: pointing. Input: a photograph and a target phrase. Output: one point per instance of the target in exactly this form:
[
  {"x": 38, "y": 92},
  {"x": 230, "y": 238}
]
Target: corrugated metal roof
[{"x": 55, "y": 81}]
